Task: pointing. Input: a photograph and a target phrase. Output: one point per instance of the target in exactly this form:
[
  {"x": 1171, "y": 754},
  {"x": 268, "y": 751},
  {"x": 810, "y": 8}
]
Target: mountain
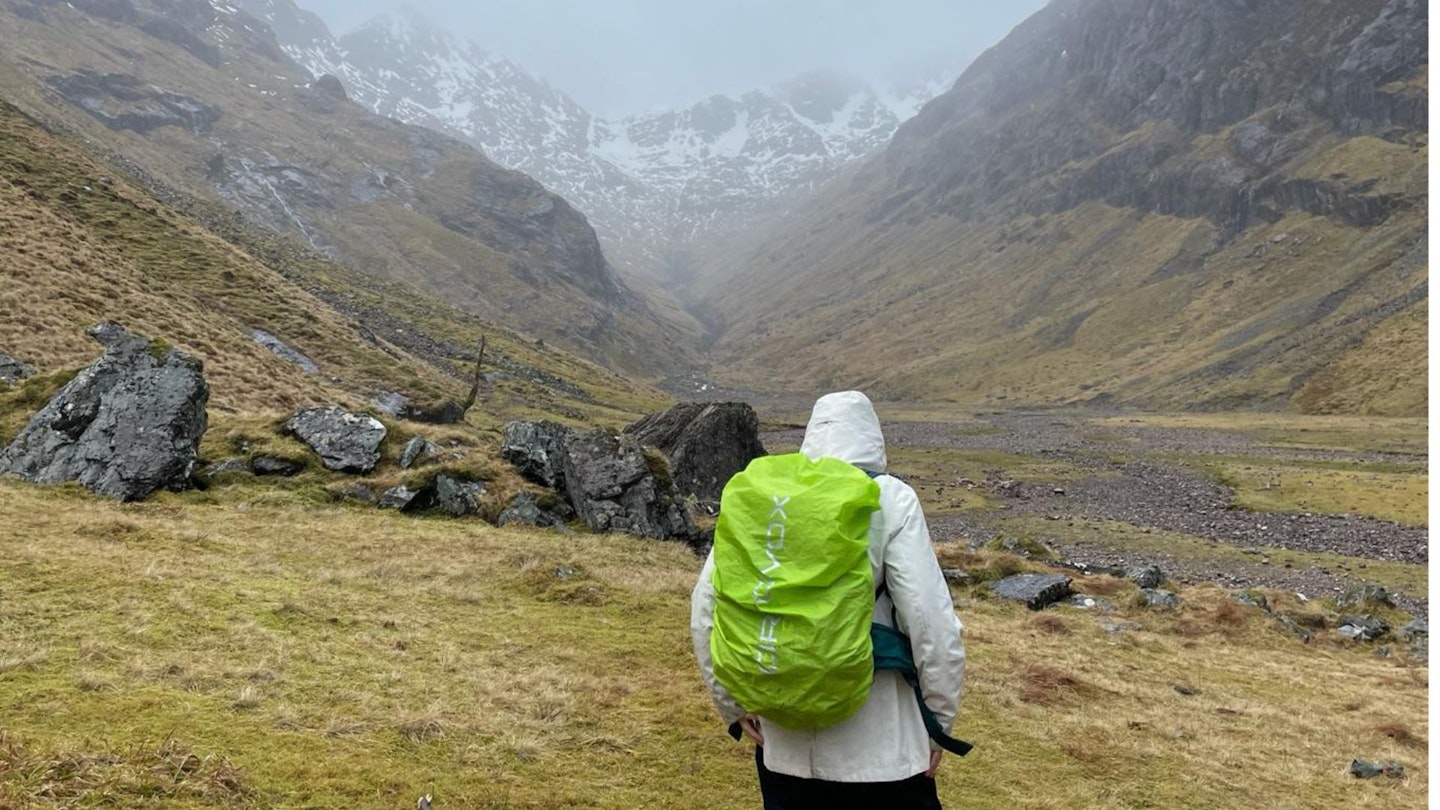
[
  {"x": 1171, "y": 203},
  {"x": 276, "y": 324},
  {"x": 648, "y": 183},
  {"x": 200, "y": 97}
]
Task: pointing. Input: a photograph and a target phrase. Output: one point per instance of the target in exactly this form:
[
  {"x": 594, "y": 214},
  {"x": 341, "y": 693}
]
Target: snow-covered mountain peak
[{"x": 647, "y": 182}]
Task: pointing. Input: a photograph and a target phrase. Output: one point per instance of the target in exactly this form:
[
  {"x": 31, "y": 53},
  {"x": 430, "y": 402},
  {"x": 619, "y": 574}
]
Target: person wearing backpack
[{"x": 849, "y": 718}]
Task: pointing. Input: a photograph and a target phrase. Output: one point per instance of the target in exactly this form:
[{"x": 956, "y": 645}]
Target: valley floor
[{"x": 250, "y": 646}]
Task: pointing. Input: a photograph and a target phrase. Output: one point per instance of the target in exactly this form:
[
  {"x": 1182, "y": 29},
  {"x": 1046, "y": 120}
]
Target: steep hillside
[
  {"x": 202, "y": 97},
  {"x": 649, "y": 183},
  {"x": 1196, "y": 204},
  {"x": 84, "y": 243}
]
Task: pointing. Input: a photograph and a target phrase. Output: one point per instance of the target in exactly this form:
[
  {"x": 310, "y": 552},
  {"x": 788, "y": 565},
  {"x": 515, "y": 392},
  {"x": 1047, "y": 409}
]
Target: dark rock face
[
  {"x": 1035, "y": 590},
  {"x": 1146, "y": 576},
  {"x": 121, "y": 101},
  {"x": 13, "y": 371},
  {"x": 406, "y": 499},
  {"x": 172, "y": 31},
  {"x": 1031, "y": 124},
  {"x": 611, "y": 483},
  {"x": 128, "y": 425},
  {"x": 345, "y": 442},
  {"x": 1363, "y": 628},
  {"x": 415, "y": 450},
  {"x": 705, "y": 443},
  {"x": 612, "y": 486},
  {"x": 272, "y": 465},
  {"x": 457, "y": 498},
  {"x": 1158, "y": 599},
  {"x": 523, "y": 509},
  {"x": 535, "y": 449}
]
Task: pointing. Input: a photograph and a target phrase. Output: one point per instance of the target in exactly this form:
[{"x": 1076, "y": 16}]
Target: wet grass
[{"x": 319, "y": 656}]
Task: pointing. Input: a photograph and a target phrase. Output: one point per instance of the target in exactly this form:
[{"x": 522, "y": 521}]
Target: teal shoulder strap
[{"x": 892, "y": 651}]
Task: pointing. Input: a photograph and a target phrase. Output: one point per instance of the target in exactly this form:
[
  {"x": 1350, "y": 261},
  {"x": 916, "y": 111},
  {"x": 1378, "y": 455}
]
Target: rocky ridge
[{"x": 649, "y": 183}]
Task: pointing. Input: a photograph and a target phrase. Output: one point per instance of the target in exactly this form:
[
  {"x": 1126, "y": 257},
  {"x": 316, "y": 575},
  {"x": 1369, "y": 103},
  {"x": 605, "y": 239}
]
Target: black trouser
[{"x": 782, "y": 792}]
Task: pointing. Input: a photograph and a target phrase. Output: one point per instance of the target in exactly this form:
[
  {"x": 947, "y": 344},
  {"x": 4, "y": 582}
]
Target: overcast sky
[{"x": 623, "y": 56}]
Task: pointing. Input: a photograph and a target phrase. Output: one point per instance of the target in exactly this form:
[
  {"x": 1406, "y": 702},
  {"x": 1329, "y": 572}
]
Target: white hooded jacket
[{"x": 886, "y": 740}]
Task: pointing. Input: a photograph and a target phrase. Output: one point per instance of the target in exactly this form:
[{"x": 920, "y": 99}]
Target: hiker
[{"x": 882, "y": 755}]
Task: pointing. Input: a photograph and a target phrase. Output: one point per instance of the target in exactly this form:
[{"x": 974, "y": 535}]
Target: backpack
[
  {"x": 794, "y": 593},
  {"x": 792, "y": 638}
]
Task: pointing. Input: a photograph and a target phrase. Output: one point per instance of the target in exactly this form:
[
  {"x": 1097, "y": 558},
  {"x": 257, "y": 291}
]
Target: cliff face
[
  {"x": 1176, "y": 107},
  {"x": 1199, "y": 204},
  {"x": 201, "y": 97}
]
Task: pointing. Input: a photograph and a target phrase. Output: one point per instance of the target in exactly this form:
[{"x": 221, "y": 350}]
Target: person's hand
[
  {"x": 750, "y": 725},
  {"x": 935, "y": 756}
]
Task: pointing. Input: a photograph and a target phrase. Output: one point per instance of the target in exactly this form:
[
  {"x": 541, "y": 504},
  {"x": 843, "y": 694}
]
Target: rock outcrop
[
  {"x": 345, "y": 442},
  {"x": 13, "y": 371},
  {"x": 535, "y": 449},
  {"x": 610, "y": 481},
  {"x": 705, "y": 443},
  {"x": 128, "y": 425}
]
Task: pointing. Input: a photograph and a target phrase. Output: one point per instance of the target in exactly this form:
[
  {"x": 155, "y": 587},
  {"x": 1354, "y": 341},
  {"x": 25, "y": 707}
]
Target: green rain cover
[{"x": 794, "y": 592}]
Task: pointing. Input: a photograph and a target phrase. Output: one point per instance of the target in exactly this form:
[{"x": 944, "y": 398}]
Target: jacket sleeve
[
  {"x": 922, "y": 603},
  {"x": 702, "y": 621}
]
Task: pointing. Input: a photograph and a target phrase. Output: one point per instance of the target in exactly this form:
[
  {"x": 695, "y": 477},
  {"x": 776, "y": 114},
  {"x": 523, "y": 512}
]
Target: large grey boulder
[
  {"x": 128, "y": 425},
  {"x": 535, "y": 448},
  {"x": 610, "y": 482},
  {"x": 13, "y": 371},
  {"x": 1035, "y": 590},
  {"x": 345, "y": 442},
  {"x": 705, "y": 442}
]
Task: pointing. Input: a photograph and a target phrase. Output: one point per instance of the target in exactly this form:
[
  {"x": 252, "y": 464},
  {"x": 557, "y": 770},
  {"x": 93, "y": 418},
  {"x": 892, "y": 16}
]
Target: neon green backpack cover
[{"x": 794, "y": 593}]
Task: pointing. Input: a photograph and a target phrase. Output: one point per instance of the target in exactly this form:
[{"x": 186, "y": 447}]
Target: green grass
[{"x": 336, "y": 657}]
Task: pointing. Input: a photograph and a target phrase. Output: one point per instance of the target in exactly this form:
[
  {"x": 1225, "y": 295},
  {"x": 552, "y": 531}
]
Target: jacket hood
[{"x": 844, "y": 426}]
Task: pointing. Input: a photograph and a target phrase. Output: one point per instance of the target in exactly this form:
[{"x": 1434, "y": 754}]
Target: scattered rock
[
  {"x": 1361, "y": 769},
  {"x": 416, "y": 449},
  {"x": 406, "y": 499},
  {"x": 359, "y": 492},
  {"x": 229, "y": 465},
  {"x": 957, "y": 576},
  {"x": 1083, "y": 602},
  {"x": 525, "y": 510},
  {"x": 1158, "y": 599},
  {"x": 1364, "y": 599},
  {"x": 1363, "y": 628},
  {"x": 1415, "y": 629},
  {"x": 389, "y": 403},
  {"x": 128, "y": 425},
  {"x": 457, "y": 498},
  {"x": 1253, "y": 599},
  {"x": 1035, "y": 590},
  {"x": 705, "y": 443},
  {"x": 1146, "y": 576},
  {"x": 273, "y": 465},
  {"x": 345, "y": 442},
  {"x": 13, "y": 371},
  {"x": 535, "y": 450},
  {"x": 283, "y": 351}
]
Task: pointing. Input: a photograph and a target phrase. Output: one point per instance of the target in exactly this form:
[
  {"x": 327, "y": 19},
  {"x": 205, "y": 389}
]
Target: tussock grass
[{"x": 335, "y": 657}]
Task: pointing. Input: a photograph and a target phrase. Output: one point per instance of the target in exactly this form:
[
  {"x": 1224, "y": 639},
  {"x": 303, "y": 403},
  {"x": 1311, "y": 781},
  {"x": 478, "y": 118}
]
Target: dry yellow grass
[{"x": 333, "y": 657}]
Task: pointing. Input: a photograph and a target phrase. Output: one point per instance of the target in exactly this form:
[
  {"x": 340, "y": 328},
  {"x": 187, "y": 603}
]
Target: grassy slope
[
  {"x": 387, "y": 656},
  {"x": 82, "y": 250},
  {"x": 395, "y": 236},
  {"x": 1154, "y": 309}
]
